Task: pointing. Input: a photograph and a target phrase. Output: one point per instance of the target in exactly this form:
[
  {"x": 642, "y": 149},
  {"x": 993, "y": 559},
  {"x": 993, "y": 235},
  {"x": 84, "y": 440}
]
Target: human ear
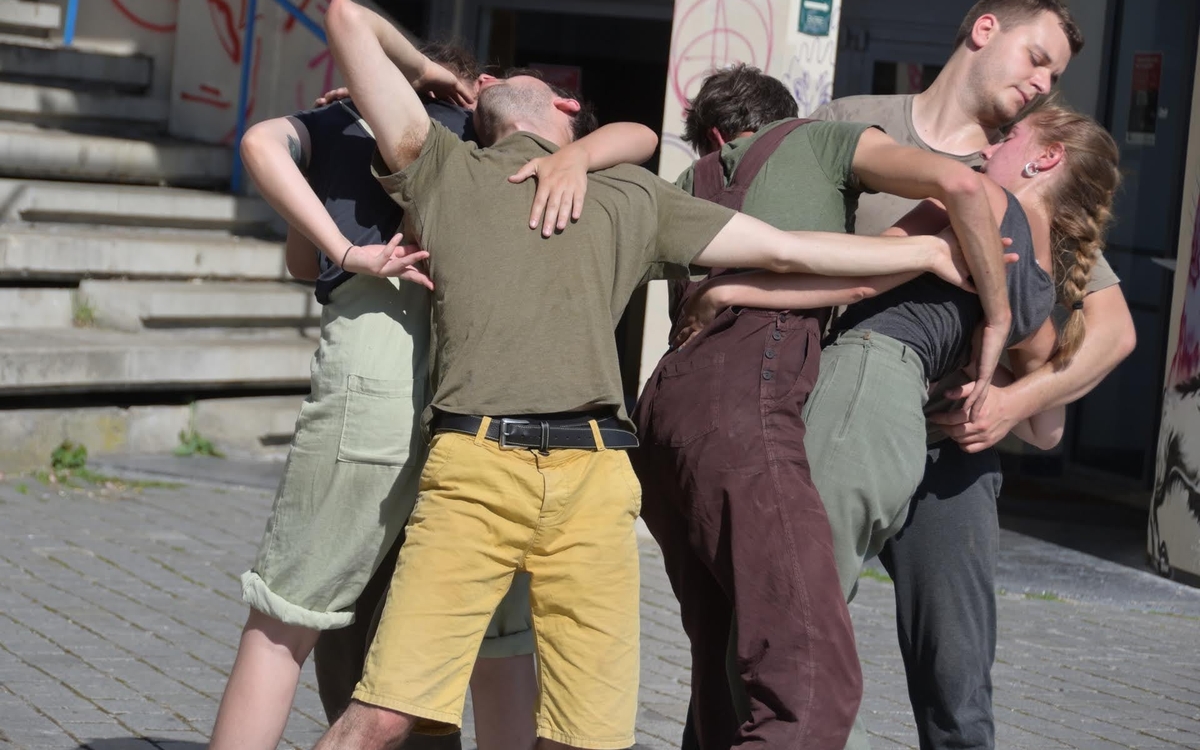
[
  {"x": 1051, "y": 156},
  {"x": 567, "y": 106},
  {"x": 986, "y": 27}
]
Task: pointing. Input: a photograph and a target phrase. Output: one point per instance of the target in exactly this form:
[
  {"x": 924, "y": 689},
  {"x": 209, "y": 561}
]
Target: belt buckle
[{"x": 505, "y": 423}]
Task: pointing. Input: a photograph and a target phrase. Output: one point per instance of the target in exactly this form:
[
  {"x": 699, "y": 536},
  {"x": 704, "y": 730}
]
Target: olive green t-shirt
[
  {"x": 894, "y": 114},
  {"x": 807, "y": 184},
  {"x": 524, "y": 324}
]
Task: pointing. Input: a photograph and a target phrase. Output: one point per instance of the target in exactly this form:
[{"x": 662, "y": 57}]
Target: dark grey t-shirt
[
  {"x": 339, "y": 172},
  {"x": 937, "y": 319}
]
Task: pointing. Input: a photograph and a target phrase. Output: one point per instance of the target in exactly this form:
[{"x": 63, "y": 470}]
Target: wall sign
[{"x": 815, "y": 17}]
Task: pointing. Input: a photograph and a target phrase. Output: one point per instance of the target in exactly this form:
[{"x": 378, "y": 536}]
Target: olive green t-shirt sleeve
[
  {"x": 685, "y": 225},
  {"x": 686, "y": 181},
  {"x": 415, "y": 183},
  {"x": 834, "y": 144},
  {"x": 1103, "y": 276}
]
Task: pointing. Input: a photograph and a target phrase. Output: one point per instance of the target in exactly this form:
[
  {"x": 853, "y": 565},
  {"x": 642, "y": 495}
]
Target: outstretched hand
[
  {"x": 390, "y": 260},
  {"x": 561, "y": 187},
  {"x": 951, "y": 265}
]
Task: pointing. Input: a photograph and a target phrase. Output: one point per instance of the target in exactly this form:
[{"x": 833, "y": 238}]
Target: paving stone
[{"x": 121, "y": 615}]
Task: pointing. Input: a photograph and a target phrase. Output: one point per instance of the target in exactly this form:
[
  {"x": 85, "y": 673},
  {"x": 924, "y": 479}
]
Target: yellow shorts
[{"x": 482, "y": 514}]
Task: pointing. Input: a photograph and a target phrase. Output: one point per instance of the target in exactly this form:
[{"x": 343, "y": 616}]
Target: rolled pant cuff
[
  {"x": 259, "y": 595},
  {"x": 606, "y": 743},
  {"x": 504, "y": 646}
]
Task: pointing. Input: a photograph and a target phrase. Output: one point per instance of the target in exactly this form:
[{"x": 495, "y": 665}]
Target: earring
[{"x": 1030, "y": 170}]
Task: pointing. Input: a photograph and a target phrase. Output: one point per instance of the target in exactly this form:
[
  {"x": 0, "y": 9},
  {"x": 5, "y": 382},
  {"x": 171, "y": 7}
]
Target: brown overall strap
[
  {"x": 708, "y": 182},
  {"x": 709, "y": 178}
]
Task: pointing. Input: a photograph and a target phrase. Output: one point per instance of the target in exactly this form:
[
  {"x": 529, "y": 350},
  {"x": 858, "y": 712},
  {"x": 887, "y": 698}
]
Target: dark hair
[
  {"x": 453, "y": 56},
  {"x": 582, "y": 122},
  {"x": 1016, "y": 12},
  {"x": 733, "y": 100}
]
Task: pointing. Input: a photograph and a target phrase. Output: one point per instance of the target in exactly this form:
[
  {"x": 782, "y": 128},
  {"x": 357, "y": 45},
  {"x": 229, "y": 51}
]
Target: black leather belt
[{"x": 541, "y": 434}]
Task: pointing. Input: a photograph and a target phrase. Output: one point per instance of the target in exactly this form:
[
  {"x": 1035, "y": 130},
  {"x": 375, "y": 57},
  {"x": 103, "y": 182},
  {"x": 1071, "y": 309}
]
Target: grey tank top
[{"x": 937, "y": 319}]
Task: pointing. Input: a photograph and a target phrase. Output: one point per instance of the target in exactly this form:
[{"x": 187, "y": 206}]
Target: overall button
[
  {"x": 777, "y": 334},
  {"x": 767, "y": 374},
  {"x": 769, "y": 354}
]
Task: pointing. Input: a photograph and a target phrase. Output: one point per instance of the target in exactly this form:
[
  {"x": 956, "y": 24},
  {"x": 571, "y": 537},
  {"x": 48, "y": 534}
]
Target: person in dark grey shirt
[{"x": 866, "y": 432}]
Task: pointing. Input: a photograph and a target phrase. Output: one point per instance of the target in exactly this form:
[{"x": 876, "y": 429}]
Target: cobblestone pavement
[{"x": 119, "y": 614}]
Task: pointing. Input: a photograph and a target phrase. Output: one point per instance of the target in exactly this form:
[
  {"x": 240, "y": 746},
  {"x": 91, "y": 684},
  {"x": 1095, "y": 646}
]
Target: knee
[{"x": 297, "y": 640}]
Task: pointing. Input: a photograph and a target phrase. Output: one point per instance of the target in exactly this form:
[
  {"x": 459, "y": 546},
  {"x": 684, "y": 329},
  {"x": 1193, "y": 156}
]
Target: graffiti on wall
[
  {"x": 1173, "y": 533},
  {"x": 289, "y": 67},
  {"x": 809, "y": 72},
  {"x": 154, "y": 16},
  {"x": 1174, "y": 529},
  {"x": 710, "y": 34}
]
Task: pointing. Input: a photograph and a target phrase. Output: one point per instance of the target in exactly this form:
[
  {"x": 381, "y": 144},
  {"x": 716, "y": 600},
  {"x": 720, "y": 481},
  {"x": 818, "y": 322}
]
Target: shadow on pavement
[{"x": 1107, "y": 530}]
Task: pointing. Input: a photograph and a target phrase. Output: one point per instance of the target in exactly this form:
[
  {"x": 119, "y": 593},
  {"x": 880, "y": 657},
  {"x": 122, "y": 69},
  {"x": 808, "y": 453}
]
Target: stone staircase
[{"x": 136, "y": 301}]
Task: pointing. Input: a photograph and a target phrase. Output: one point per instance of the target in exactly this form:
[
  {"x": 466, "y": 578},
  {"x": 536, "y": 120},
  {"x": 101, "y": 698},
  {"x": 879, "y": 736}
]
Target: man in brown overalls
[{"x": 726, "y": 485}]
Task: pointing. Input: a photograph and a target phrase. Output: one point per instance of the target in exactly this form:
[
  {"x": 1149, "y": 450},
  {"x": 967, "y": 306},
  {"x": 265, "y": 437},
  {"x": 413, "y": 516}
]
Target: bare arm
[
  {"x": 381, "y": 68},
  {"x": 746, "y": 242},
  {"x": 777, "y": 291},
  {"x": 301, "y": 256},
  {"x": 1043, "y": 429},
  {"x": 273, "y": 152},
  {"x": 562, "y": 176},
  {"x": 774, "y": 291},
  {"x": 1110, "y": 339},
  {"x": 886, "y": 166}
]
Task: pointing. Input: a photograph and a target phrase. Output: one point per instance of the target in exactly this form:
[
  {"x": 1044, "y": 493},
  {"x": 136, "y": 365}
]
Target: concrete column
[
  {"x": 793, "y": 40},
  {"x": 1174, "y": 533}
]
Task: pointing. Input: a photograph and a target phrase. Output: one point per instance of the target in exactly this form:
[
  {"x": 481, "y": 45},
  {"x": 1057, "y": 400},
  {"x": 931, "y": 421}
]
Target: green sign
[{"x": 815, "y": 17}]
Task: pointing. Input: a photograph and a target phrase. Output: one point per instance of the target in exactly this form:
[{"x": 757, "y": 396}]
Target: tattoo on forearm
[{"x": 294, "y": 149}]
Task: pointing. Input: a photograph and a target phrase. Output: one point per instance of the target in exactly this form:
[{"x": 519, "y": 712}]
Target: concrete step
[
  {"x": 65, "y": 253},
  {"x": 132, "y": 305},
  {"x": 30, "y": 15},
  {"x": 47, "y": 105},
  {"x": 254, "y": 426},
  {"x": 36, "y": 308},
  {"x": 91, "y": 360},
  {"x": 131, "y": 205},
  {"x": 79, "y": 66},
  {"x": 27, "y": 151}
]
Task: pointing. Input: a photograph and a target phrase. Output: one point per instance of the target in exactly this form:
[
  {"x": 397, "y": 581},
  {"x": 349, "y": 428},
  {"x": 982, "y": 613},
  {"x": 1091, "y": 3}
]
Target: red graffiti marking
[
  {"x": 226, "y": 28},
  {"x": 321, "y": 59},
  {"x": 160, "y": 28},
  {"x": 187, "y": 96},
  {"x": 290, "y": 22},
  {"x": 734, "y": 35},
  {"x": 228, "y": 137},
  {"x": 210, "y": 89}
]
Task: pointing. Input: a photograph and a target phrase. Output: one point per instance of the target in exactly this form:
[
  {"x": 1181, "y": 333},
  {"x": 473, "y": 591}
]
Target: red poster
[{"x": 1143, "y": 100}]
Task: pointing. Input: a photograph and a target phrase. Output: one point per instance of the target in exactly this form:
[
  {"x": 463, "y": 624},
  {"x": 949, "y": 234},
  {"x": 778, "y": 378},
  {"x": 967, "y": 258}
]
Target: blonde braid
[{"x": 1081, "y": 208}]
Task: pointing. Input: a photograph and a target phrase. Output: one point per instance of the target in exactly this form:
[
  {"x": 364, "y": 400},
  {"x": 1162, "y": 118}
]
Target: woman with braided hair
[{"x": 1052, "y": 181}]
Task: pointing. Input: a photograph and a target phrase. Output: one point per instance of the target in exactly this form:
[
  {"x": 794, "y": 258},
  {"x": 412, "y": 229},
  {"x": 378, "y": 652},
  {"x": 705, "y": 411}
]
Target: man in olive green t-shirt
[
  {"x": 525, "y": 469},
  {"x": 944, "y": 562},
  {"x": 743, "y": 530}
]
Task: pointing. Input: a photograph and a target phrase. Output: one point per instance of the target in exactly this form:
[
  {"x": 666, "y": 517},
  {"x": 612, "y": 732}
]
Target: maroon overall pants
[{"x": 728, "y": 496}]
